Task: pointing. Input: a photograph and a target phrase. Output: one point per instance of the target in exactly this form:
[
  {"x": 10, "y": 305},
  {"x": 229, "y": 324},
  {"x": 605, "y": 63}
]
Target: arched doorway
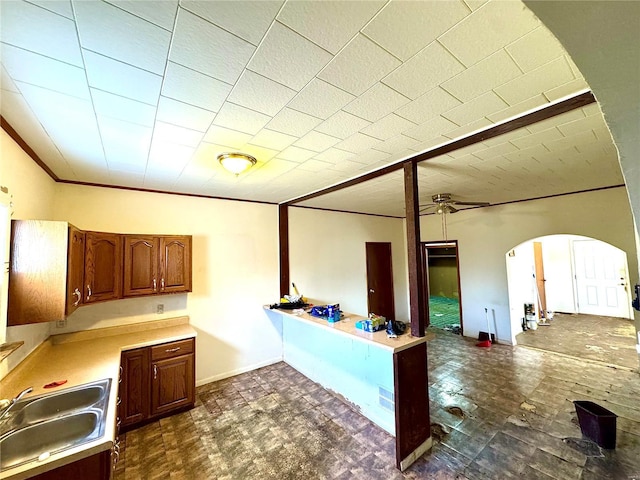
[{"x": 578, "y": 291}]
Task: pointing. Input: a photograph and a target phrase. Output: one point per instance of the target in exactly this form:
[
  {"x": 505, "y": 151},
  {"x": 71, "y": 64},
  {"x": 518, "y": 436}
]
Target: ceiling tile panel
[
  {"x": 372, "y": 156},
  {"x": 114, "y": 106},
  {"x": 556, "y": 121},
  {"x": 224, "y": 136},
  {"x": 544, "y": 136},
  {"x": 334, "y": 155},
  {"x": 485, "y": 75},
  {"x": 169, "y": 157},
  {"x": 377, "y": 102},
  {"x": 6, "y": 82},
  {"x": 347, "y": 167},
  {"x": 260, "y": 93},
  {"x": 359, "y": 66},
  {"x": 428, "y": 130},
  {"x": 535, "y": 49},
  {"x": 399, "y": 142},
  {"x": 357, "y": 143},
  {"x": 288, "y": 58},
  {"x": 293, "y": 122},
  {"x": 426, "y": 70},
  {"x": 429, "y": 105},
  {"x": 249, "y": 20},
  {"x": 124, "y": 142},
  {"x": 206, "y": 48},
  {"x": 296, "y": 154},
  {"x": 404, "y": 28},
  {"x": 45, "y": 72},
  {"x": 33, "y": 28},
  {"x": 569, "y": 88},
  {"x": 194, "y": 88},
  {"x": 161, "y": 13},
  {"x": 320, "y": 99},
  {"x": 262, "y": 154},
  {"x": 241, "y": 119},
  {"x": 342, "y": 125},
  {"x": 329, "y": 24},
  {"x": 184, "y": 115},
  {"x": 271, "y": 139},
  {"x": 115, "y": 33},
  {"x": 176, "y": 134},
  {"x": 121, "y": 79},
  {"x": 465, "y": 130},
  {"x": 488, "y": 29},
  {"x": 316, "y": 141},
  {"x": 518, "y": 108},
  {"x": 61, "y": 7},
  {"x": 314, "y": 166},
  {"x": 583, "y": 139},
  {"x": 544, "y": 78},
  {"x": 495, "y": 151},
  {"x": 388, "y": 127},
  {"x": 475, "y": 109}
]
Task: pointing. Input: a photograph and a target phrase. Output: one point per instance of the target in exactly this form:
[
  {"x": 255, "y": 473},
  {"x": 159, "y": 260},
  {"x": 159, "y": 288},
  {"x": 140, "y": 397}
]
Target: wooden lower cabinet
[
  {"x": 156, "y": 381},
  {"x": 95, "y": 467}
]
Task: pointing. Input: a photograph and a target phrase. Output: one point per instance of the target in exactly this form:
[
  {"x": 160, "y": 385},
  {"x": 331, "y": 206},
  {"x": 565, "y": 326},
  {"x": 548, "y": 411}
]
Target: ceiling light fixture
[{"x": 236, "y": 162}]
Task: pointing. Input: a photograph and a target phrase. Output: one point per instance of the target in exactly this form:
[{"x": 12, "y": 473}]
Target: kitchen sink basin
[
  {"x": 38, "y": 427},
  {"x": 57, "y": 404},
  {"x": 48, "y": 437}
]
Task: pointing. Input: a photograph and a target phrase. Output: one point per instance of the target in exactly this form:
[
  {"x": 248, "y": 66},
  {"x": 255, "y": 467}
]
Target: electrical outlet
[
  {"x": 160, "y": 308},
  {"x": 61, "y": 323}
]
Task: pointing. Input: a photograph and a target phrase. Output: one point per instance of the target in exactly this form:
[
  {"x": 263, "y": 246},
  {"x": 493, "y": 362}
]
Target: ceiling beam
[
  {"x": 28, "y": 150},
  {"x": 577, "y": 101}
]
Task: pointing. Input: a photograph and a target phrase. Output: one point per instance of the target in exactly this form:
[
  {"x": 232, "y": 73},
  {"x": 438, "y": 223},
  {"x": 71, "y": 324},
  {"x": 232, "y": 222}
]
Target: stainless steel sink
[
  {"x": 50, "y": 436},
  {"x": 42, "y": 426}
]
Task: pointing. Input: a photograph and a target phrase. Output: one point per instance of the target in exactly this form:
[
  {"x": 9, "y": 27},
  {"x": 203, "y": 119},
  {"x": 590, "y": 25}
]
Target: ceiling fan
[{"x": 443, "y": 203}]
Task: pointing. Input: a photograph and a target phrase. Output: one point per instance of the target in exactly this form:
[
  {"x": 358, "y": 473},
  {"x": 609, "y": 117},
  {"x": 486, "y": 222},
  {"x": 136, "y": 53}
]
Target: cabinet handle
[
  {"x": 155, "y": 371},
  {"x": 118, "y": 423},
  {"x": 162, "y": 283},
  {"x": 120, "y": 375},
  {"x": 154, "y": 284},
  {"x": 79, "y": 295},
  {"x": 89, "y": 290},
  {"x": 118, "y": 402},
  {"x": 171, "y": 350}
]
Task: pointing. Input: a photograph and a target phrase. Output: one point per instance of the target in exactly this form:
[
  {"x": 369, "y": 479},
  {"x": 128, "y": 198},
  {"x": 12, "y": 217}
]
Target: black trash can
[{"x": 597, "y": 423}]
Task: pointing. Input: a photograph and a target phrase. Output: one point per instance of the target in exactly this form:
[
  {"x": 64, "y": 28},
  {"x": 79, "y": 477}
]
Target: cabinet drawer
[{"x": 172, "y": 349}]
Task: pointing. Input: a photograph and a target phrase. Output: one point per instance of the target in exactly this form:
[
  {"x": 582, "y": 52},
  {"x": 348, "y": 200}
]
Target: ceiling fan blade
[
  {"x": 450, "y": 209},
  {"x": 477, "y": 204}
]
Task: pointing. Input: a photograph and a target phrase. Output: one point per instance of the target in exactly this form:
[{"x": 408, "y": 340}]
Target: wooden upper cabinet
[
  {"x": 75, "y": 269},
  {"x": 175, "y": 264},
  {"x": 103, "y": 267},
  {"x": 156, "y": 265},
  {"x": 141, "y": 265}
]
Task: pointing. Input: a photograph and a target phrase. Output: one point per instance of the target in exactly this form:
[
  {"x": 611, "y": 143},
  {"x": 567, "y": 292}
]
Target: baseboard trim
[
  {"x": 416, "y": 454},
  {"x": 238, "y": 371}
]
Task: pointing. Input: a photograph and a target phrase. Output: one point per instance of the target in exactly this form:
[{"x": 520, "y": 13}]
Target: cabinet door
[
  {"x": 103, "y": 267},
  {"x": 134, "y": 386},
  {"x": 175, "y": 264},
  {"x": 75, "y": 269},
  {"x": 172, "y": 384},
  {"x": 140, "y": 265}
]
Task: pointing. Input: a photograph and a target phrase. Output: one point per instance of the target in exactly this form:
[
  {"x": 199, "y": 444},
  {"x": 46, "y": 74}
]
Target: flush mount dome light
[{"x": 236, "y": 163}]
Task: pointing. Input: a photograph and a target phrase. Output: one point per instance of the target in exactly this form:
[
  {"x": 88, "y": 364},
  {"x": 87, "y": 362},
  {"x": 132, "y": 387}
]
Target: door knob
[{"x": 371, "y": 290}]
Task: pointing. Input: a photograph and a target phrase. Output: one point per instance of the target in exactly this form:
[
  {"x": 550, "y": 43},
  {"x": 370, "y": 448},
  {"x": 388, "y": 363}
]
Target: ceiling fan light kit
[{"x": 443, "y": 204}]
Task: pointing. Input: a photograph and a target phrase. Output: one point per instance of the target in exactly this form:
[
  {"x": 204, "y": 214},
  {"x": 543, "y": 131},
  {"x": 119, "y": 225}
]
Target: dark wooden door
[
  {"x": 175, "y": 264},
  {"x": 172, "y": 383},
  {"x": 380, "y": 279},
  {"x": 75, "y": 269},
  {"x": 103, "y": 267},
  {"x": 542, "y": 295},
  {"x": 141, "y": 265},
  {"x": 134, "y": 386}
]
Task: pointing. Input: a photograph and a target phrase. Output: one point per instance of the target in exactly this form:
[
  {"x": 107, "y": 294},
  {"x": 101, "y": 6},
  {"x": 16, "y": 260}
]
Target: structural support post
[
  {"x": 418, "y": 306},
  {"x": 283, "y": 241}
]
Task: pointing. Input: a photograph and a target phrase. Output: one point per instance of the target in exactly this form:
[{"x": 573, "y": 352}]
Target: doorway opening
[
  {"x": 571, "y": 294},
  {"x": 442, "y": 283}
]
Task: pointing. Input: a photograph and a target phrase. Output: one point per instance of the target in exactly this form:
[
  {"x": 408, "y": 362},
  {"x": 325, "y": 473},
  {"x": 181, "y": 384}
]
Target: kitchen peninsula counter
[{"x": 80, "y": 358}]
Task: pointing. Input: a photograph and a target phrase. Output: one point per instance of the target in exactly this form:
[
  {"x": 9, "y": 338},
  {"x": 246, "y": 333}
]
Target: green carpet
[{"x": 444, "y": 312}]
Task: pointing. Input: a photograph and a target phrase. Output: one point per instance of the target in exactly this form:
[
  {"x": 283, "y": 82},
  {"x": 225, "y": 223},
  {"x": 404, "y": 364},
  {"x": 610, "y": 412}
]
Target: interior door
[
  {"x": 380, "y": 279},
  {"x": 601, "y": 279},
  {"x": 540, "y": 281}
]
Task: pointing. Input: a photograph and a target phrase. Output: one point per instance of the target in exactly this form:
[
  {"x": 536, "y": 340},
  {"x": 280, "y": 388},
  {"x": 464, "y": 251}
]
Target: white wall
[
  {"x": 328, "y": 261},
  {"x": 485, "y": 235},
  {"x": 235, "y": 271},
  {"x": 32, "y": 192}
]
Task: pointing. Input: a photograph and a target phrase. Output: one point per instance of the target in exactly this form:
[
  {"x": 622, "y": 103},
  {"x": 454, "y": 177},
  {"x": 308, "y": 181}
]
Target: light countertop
[
  {"x": 80, "y": 358},
  {"x": 347, "y": 327}
]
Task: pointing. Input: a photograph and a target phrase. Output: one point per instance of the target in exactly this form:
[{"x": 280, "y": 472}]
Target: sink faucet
[{"x": 6, "y": 410}]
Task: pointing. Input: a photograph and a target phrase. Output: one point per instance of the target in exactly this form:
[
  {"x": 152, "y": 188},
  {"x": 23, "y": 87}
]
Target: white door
[{"x": 602, "y": 286}]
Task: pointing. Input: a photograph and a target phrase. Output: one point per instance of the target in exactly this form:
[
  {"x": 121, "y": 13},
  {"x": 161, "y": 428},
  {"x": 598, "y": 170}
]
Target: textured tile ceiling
[{"x": 146, "y": 94}]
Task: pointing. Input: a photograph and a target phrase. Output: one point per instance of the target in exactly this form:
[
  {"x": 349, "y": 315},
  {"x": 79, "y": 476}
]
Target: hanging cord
[{"x": 444, "y": 226}]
